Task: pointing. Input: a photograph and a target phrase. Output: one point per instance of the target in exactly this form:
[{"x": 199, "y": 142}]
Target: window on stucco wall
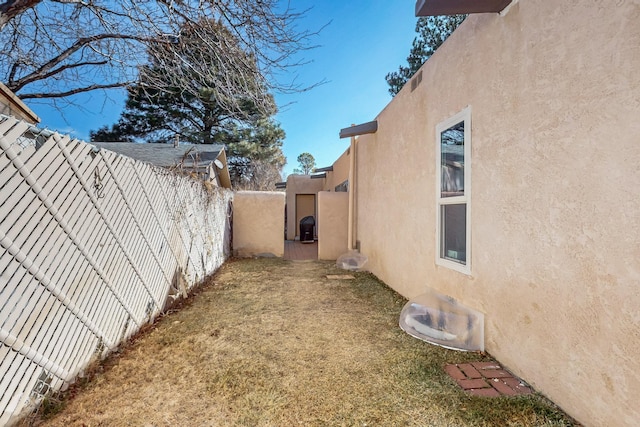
[{"x": 453, "y": 146}]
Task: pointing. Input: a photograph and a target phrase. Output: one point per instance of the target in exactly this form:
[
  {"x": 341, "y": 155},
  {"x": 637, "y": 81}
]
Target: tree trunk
[{"x": 209, "y": 124}]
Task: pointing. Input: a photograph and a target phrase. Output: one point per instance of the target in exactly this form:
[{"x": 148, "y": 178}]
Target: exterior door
[{"x": 305, "y": 206}]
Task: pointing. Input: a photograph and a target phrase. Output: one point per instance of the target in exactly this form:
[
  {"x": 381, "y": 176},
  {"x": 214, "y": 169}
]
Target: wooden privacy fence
[{"x": 92, "y": 246}]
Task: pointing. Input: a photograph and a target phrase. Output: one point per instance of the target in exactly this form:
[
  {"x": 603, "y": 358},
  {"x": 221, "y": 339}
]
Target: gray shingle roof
[{"x": 165, "y": 155}]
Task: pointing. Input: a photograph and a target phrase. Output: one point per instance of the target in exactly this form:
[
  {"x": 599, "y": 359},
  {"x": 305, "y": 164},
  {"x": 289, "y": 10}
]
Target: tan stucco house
[
  {"x": 324, "y": 196},
  {"x": 505, "y": 175}
]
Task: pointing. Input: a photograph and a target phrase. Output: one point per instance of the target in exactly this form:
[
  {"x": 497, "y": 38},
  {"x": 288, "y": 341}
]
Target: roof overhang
[
  {"x": 326, "y": 169},
  {"x": 15, "y": 103},
  {"x": 369, "y": 127},
  {"x": 459, "y": 7},
  {"x": 319, "y": 175}
]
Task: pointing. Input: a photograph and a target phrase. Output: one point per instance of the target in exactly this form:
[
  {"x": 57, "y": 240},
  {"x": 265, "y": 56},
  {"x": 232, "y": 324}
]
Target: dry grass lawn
[{"x": 267, "y": 342}]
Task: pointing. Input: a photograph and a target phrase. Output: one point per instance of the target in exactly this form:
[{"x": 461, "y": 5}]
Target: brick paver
[
  {"x": 495, "y": 373},
  {"x": 503, "y": 388},
  {"x": 454, "y": 372},
  {"x": 473, "y": 383},
  {"x": 469, "y": 370},
  {"x": 486, "y": 379},
  {"x": 517, "y": 385}
]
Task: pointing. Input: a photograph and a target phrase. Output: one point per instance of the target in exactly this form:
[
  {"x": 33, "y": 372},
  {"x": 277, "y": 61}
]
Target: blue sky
[{"x": 364, "y": 40}]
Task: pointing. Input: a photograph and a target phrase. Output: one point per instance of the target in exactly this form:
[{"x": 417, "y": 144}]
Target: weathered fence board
[{"x": 92, "y": 245}]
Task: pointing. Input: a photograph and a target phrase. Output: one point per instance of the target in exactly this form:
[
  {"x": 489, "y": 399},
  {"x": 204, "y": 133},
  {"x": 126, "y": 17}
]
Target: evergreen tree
[
  {"x": 204, "y": 114},
  {"x": 432, "y": 32},
  {"x": 254, "y": 155}
]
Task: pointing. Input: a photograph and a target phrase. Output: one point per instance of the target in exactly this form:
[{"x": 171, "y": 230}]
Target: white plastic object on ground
[
  {"x": 352, "y": 260},
  {"x": 441, "y": 320}
]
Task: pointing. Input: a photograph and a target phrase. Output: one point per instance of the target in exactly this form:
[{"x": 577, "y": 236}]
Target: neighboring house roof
[
  {"x": 165, "y": 155},
  {"x": 188, "y": 156}
]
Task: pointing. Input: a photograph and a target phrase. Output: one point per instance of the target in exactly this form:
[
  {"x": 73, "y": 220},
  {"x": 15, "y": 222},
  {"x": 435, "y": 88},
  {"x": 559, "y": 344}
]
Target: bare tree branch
[
  {"x": 10, "y": 9},
  {"x": 58, "y": 48},
  {"x": 43, "y": 71},
  {"x": 74, "y": 91}
]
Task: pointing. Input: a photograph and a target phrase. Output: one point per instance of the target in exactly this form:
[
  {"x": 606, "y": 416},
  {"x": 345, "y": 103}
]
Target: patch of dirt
[{"x": 268, "y": 342}]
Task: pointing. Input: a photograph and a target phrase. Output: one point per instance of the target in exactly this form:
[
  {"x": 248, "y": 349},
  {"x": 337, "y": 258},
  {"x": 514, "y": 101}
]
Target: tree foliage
[
  {"x": 255, "y": 155},
  {"x": 201, "y": 114},
  {"x": 432, "y": 32},
  {"x": 56, "y": 48},
  {"x": 307, "y": 164},
  {"x": 159, "y": 108}
]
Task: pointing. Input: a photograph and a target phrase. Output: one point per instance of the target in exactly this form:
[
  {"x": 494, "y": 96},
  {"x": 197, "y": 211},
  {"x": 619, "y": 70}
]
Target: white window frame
[{"x": 462, "y": 116}]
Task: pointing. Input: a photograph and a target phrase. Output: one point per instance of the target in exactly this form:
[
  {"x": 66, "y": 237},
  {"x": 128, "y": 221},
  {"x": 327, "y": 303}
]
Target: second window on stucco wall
[{"x": 453, "y": 155}]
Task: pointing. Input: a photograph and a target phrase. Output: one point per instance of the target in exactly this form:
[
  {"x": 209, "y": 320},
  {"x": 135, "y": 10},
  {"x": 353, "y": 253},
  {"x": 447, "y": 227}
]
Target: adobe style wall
[
  {"x": 299, "y": 184},
  {"x": 258, "y": 226},
  {"x": 333, "y": 213},
  {"x": 554, "y": 91},
  {"x": 339, "y": 174}
]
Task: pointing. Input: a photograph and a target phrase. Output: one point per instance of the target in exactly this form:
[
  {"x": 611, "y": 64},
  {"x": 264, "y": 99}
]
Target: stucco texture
[
  {"x": 340, "y": 172},
  {"x": 333, "y": 214},
  {"x": 554, "y": 91},
  {"x": 299, "y": 184},
  {"x": 258, "y": 224}
]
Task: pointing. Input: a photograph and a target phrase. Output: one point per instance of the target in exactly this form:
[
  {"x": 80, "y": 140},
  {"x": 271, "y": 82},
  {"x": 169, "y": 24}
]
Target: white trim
[{"x": 462, "y": 116}]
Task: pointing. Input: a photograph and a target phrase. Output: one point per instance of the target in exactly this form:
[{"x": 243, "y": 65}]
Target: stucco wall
[
  {"x": 333, "y": 214},
  {"x": 258, "y": 226},
  {"x": 340, "y": 172},
  {"x": 554, "y": 91},
  {"x": 299, "y": 184}
]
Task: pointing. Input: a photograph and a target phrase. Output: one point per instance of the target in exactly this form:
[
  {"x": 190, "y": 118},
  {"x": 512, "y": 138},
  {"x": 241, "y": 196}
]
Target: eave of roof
[
  {"x": 17, "y": 103},
  {"x": 326, "y": 169},
  {"x": 458, "y": 7},
  {"x": 361, "y": 129}
]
